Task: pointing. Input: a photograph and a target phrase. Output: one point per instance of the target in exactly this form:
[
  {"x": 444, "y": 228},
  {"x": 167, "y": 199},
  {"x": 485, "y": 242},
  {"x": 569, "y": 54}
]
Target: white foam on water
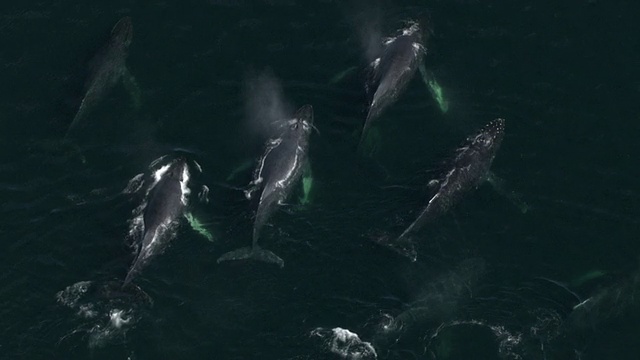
[
  {"x": 388, "y": 324},
  {"x": 117, "y": 318},
  {"x": 346, "y": 344},
  {"x": 87, "y": 311},
  {"x": 72, "y": 294},
  {"x": 508, "y": 341},
  {"x": 116, "y": 325},
  {"x": 135, "y": 184}
]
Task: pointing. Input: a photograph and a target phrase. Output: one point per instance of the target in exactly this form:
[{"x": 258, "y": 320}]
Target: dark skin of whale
[
  {"x": 106, "y": 68},
  {"x": 392, "y": 73},
  {"x": 162, "y": 212},
  {"x": 469, "y": 168},
  {"x": 278, "y": 171}
]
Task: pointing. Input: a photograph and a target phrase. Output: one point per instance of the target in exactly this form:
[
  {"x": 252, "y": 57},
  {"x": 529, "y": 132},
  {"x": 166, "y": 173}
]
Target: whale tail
[{"x": 252, "y": 253}]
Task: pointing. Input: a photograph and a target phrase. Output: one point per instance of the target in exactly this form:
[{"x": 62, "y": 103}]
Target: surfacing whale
[
  {"x": 392, "y": 71},
  {"x": 106, "y": 69},
  {"x": 277, "y": 172},
  {"x": 166, "y": 203},
  {"x": 469, "y": 167}
]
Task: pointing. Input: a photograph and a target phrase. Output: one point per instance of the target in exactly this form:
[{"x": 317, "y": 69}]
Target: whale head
[
  {"x": 489, "y": 138},
  {"x": 178, "y": 169},
  {"x": 411, "y": 28},
  {"x": 122, "y": 32},
  {"x": 302, "y": 121}
]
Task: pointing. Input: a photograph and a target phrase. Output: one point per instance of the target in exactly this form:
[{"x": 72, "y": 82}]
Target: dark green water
[{"x": 490, "y": 281}]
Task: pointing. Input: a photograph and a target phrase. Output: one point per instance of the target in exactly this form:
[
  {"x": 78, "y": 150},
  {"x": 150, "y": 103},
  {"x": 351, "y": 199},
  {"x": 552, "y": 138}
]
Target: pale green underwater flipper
[
  {"x": 307, "y": 185},
  {"x": 500, "y": 187},
  {"x": 341, "y": 75},
  {"x": 591, "y": 275},
  {"x": 434, "y": 88},
  {"x": 246, "y": 165},
  {"x": 198, "y": 226}
]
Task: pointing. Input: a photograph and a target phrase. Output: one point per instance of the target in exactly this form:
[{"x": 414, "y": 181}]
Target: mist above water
[{"x": 265, "y": 104}]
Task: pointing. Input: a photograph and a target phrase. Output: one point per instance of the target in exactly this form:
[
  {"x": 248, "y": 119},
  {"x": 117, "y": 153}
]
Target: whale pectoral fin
[
  {"x": 306, "y": 184},
  {"x": 131, "y": 85},
  {"x": 198, "y": 226},
  {"x": 342, "y": 75},
  {"x": 499, "y": 185},
  {"x": 589, "y": 276},
  {"x": 239, "y": 169},
  {"x": 250, "y": 253},
  {"x": 434, "y": 88}
]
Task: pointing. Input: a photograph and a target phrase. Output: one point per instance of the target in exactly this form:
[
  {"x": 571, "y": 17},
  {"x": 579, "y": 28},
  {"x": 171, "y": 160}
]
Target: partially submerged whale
[
  {"x": 392, "y": 71},
  {"x": 166, "y": 203},
  {"x": 107, "y": 68},
  {"x": 468, "y": 169},
  {"x": 278, "y": 171}
]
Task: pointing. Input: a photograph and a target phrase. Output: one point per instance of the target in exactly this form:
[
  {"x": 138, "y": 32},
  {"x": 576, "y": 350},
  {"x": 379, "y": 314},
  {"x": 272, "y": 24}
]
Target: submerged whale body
[
  {"x": 392, "y": 71},
  {"x": 469, "y": 168},
  {"x": 277, "y": 172},
  {"x": 166, "y": 202},
  {"x": 106, "y": 68}
]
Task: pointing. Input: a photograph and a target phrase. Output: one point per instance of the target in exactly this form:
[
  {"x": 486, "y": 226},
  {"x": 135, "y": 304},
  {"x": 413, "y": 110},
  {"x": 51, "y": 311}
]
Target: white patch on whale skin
[
  {"x": 388, "y": 41},
  {"x": 158, "y": 174},
  {"x": 184, "y": 186},
  {"x": 417, "y": 48},
  {"x": 375, "y": 63},
  {"x": 411, "y": 29}
]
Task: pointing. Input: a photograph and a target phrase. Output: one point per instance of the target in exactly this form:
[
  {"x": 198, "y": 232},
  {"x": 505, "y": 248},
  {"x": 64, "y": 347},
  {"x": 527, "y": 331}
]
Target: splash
[
  {"x": 508, "y": 342},
  {"x": 105, "y": 313},
  {"x": 346, "y": 344}
]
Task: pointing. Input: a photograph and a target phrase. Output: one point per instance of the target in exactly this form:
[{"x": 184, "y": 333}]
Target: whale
[
  {"x": 277, "y": 172},
  {"x": 106, "y": 69},
  {"x": 469, "y": 168},
  {"x": 165, "y": 205},
  {"x": 390, "y": 73}
]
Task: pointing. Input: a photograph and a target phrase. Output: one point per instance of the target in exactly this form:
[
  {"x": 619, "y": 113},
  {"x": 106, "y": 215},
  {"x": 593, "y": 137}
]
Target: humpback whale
[
  {"x": 469, "y": 168},
  {"x": 277, "y": 172},
  {"x": 391, "y": 72},
  {"x": 106, "y": 69},
  {"x": 166, "y": 202}
]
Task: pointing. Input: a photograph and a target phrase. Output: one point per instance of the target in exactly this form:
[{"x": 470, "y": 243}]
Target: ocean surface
[{"x": 542, "y": 265}]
